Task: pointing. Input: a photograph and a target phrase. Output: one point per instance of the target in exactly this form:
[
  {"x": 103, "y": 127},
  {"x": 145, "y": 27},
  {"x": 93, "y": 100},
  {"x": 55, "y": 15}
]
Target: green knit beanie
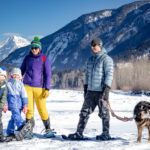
[{"x": 36, "y": 42}]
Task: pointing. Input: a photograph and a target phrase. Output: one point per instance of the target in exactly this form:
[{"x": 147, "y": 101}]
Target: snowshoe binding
[
  {"x": 74, "y": 136},
  {"x": 103, "y": 137},
  {"x": 49, "y": 133}
]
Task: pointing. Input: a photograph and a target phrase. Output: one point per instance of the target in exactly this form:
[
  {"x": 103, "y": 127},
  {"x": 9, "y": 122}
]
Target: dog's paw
[{"x": 138, "y": 141}]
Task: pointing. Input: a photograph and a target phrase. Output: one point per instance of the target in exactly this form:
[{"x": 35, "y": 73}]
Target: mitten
[
  {"x": 105, "y": 95},
  {"x": 25, "y": 109},
  {"x": 45, "y": 93},
  {"x": 85, "y": 89},
  {"x": 5, "y": 108}
]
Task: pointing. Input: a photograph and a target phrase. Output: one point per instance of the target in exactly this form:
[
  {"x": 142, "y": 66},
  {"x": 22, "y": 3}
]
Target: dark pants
[
  {"x": 1, "y": 125},
  {"x": 92, "y": 99}
]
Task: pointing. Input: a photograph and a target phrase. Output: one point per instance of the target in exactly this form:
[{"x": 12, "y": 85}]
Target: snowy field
[{"x": 64, "y": 107}]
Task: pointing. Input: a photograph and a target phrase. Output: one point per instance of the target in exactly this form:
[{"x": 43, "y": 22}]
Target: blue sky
[{"x": 43, "y": 17}]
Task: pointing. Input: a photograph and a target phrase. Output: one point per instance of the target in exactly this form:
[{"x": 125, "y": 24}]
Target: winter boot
[
  {"x": 2, "y": 138},
  {"x": 82, "y": 123},
  {"x": 76, "y": 136},
  {"x": 49, "y": 133},
  {"x": 10, "y": 137},
  {"x": 30, "y": 134},
  {"x": 105, "y": 135}
]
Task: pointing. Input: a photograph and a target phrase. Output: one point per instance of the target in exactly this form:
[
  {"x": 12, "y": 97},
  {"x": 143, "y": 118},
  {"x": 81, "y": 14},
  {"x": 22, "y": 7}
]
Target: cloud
[{"x": 11, "y": 34}]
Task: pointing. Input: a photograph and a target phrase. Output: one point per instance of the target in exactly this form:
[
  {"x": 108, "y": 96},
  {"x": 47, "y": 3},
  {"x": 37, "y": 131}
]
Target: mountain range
[{"x": 125, "y": 32}]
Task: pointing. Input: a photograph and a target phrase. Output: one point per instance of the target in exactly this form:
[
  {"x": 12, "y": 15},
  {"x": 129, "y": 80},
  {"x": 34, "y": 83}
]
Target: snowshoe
[
  {"x": 103, "y": 137},
  {"x": 26, "y": 129},
  {"x": 49, "y": 133},
  {"x": 29, "y": 135},
  {"x": 10, "y": 137}
]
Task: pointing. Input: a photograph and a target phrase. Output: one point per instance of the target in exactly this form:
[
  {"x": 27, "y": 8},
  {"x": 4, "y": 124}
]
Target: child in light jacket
[
  {"x": 3, "y": 92},
  {"x": 17, "y": 101}
]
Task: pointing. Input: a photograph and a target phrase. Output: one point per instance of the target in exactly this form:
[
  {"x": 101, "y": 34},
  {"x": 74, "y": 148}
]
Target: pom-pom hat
[{"x": 36, "y": 42}]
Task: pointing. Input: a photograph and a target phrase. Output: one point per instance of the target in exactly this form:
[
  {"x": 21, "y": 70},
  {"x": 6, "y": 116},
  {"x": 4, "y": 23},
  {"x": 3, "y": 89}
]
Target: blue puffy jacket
[
  {"x": 16, "y": 94},
  {"x": 99, "y": 71}
]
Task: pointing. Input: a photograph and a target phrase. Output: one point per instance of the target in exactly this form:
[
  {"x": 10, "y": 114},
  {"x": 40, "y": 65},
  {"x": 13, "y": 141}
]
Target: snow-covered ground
[{"x": 64, "y": 107}]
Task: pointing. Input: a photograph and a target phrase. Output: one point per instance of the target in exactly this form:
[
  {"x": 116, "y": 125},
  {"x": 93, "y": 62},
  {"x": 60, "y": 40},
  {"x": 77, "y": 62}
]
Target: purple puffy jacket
[{"x": 36, "y": 72}]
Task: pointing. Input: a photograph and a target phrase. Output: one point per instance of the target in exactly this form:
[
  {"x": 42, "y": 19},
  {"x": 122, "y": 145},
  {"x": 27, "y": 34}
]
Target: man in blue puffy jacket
[{"x": 98, "y": 80}]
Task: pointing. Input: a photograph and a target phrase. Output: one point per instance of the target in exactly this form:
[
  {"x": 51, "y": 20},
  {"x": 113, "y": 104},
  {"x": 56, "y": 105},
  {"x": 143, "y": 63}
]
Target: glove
[
  {"x": 5, "y": 108},
  {"x": 105, "y": 95},
  {"x": 25, "y": 109},
  {"x": 85, "y": 89},
  {"x": 45, "y": 93}
]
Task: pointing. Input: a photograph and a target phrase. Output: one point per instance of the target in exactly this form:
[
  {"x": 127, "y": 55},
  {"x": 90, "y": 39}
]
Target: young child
[
  {"x": 17, "y": 101},
  {"x": 3, "y": 91}
]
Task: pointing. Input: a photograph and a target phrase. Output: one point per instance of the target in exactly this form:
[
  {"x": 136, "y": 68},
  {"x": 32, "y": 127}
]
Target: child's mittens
[
  {"x": 25, "y": 109},
  {"x": 5, "y": 108}
]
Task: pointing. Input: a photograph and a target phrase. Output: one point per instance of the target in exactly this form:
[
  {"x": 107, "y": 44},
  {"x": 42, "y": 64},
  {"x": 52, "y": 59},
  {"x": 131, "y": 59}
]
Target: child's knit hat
[
  {"x": 3, "y": 71},
  {"x": 15, "y": 71}
]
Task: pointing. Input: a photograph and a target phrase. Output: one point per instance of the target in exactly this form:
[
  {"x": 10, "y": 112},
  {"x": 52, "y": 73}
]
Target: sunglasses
[
  {"x": 93, "y": 45},
  {"x": 36, "y": 48}
]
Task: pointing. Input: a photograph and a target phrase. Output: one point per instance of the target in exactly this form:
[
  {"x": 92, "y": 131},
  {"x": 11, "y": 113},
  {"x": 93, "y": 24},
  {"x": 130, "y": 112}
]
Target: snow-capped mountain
[
  {"x": 11, "y": 44},
  {"x": 124, "y": 32}
]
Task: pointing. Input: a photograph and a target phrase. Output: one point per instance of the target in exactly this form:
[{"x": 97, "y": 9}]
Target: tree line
[{"x": 133, "y": 75}]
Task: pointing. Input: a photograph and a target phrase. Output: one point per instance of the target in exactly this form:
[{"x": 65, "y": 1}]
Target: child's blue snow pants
[{"x": 16, "y": 120}]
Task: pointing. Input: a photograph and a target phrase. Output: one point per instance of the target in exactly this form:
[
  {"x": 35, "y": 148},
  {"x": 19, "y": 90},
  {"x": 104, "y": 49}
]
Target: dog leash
[{"x": 125, "y": 119}]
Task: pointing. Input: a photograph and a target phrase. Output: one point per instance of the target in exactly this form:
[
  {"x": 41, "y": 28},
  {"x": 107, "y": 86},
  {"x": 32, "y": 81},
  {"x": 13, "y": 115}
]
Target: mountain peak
[
  {"x": 12, "y": 43},
  {"x": 19, "y": 41}
]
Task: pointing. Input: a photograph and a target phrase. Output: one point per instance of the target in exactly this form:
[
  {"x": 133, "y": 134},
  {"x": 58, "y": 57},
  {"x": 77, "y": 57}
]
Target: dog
[{"x": 142, "y": 118}]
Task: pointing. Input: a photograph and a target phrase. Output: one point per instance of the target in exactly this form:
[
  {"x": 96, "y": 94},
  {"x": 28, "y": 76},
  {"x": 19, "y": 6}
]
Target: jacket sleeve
[
  {"x": 24, "y": 95},
  {"x": 108, "y": 71},
  {"x": 3, "y": 98},
  {"x": 23, "y": 66},
  {"x": 47, "y": 74}
]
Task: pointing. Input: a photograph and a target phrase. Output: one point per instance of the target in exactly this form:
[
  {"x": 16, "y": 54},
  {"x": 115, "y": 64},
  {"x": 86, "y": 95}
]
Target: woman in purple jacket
[{"x": 37, "y": 75}]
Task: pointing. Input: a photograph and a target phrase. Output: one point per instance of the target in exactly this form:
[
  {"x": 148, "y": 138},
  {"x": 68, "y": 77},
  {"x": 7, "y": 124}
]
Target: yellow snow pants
[{"x": 35, "y": 94}]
